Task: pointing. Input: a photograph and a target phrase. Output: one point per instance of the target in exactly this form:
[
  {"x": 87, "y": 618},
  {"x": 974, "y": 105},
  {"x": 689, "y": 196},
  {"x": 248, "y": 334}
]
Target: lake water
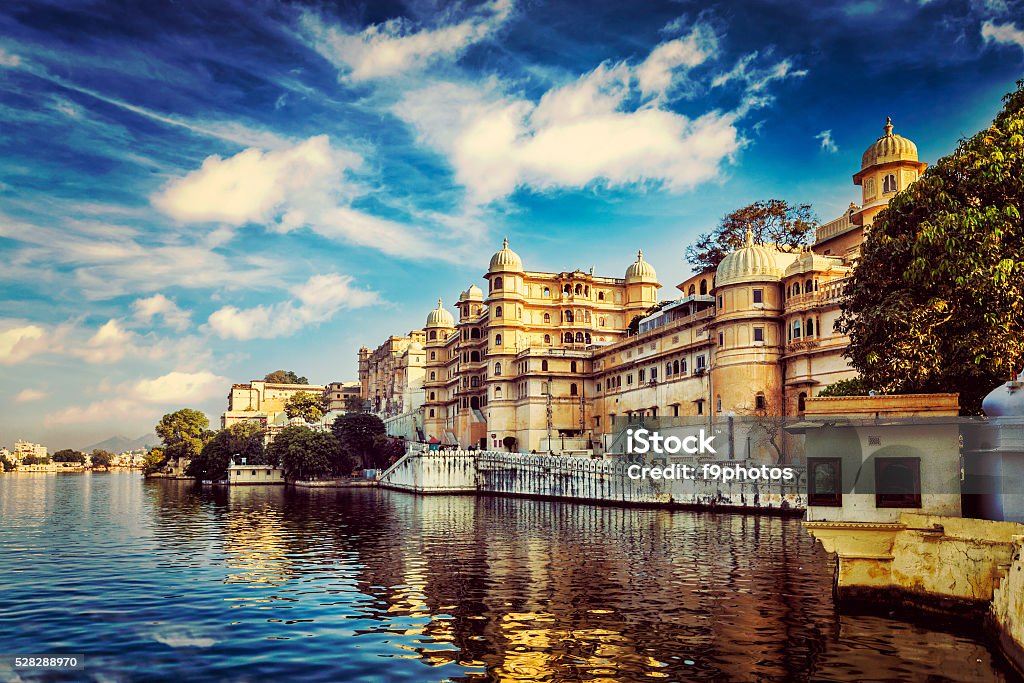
[{"x": 156, "y": 580}]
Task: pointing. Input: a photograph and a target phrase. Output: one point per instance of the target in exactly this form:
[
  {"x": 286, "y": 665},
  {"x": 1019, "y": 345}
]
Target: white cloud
[
  {"x": 109, "y": 344},
  {"x": 29, "y": 395},
  {"x": 827, "y": 143},
  {"x": 315, "y": 301},
  {"x": 158, "y": 304},
  {"x": 656, "y": 74},
  {"x": 303, "y": 185},
  {"x": 1004, "y": 34},
  {"x": 144, "y": 398},
  {"x": 20, "y": 341},
  {"x": 9, "y": 59},
  {"x": 396, "y": 47}
]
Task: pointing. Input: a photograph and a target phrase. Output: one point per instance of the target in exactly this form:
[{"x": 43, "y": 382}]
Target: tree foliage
[
  {"x": 846, "y": 387},
  {"x": 936, "y": 303},
  {"x": 154, "y": 460},
  {"x": 386, "y": 451},
  {"x": 101, "y": 458},
  {"x": 285, "y": 377},
  {"x": 240, "y": 440},
  {"x": 68, "y": 455},
  {"x": 6, "y": 463},
  {"x": 356, "y": 433},
  {"x": 306, "y": 454},
  {"x": 34, "y": 460},
  {"x": 305, "y": 404},
  {"x": 184, "y": 433},
  {"x": 772, "y": 222}
]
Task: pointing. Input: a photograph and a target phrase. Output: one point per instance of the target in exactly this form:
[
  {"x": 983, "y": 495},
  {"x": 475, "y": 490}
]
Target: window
[
  {"x": 796, "y": 329},
  {"x": 654, "y": 373},
  {"x": 801, "y": 402},
  {"x": 668, "y": 369},
  {"x": 573, "y": 389},
  {"x": 544, "y": 365},
  {"x": 572, "y": 366},
  {"x": 547, "y": 292},
  {"x": 759, "y": 334},
  {"x": 600, "y": 322},
  {"x": 474, "y": 333},
  {"x": 474, "y": 356},
  {"x": 810, "y": 327},
  {"x": 544, "y": 388},
  {"x": 825, "y": 482},
  {"x": 431, "y": 412},
  {"x": 433, "y": 334},
  {"x": 758, "y": 296},
  {"x": 498, "y": 283},
  {"x": 700, "y": 362},
  {"x": 640, "y": 375},
  {"x": 498, "y": 312},
  {"x": 599, "y": 386},
  {"x": 497, "y": 392},
  {"x": 600, "y": 296},
  {"x": 682, "y": 366},
  {"x": 889, "y": 183},
  {"x": 700, "y": 407},
  {"x": 432, "y": 395},
  {"x": 474, "y": 381},
  {"x": 497, "y": 340},
  {"x": 898, "y": 482},
  {"x": 568, "y": 316},
  {"x": 629, "y": 379},
  {"x": 703, "y": 287},
  {"x": 568, "y": 338},
  {"x": 433, "y": 376},
  {"x": 675, "y": 410},
  {"x": 579, "y": 337},
  {"x": 692, "y": 290},
  {"x": 547, "y": 317},
  {"x": 675, "y": 367},
  {"x": 720, "y": 300},
  {"x": 759, "y": 402},
  {"x": 497, "y": 369},
  {"x": 579, "y": 289},
  {"x": 721, "y": 338},
  {"x": 433, "y": 355},
  {"x": 547, "y": 338},
  {"x": 718, "y": 403}
]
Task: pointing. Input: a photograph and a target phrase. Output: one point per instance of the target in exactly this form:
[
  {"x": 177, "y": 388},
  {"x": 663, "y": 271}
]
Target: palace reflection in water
[{"x": 156, "y": 579}]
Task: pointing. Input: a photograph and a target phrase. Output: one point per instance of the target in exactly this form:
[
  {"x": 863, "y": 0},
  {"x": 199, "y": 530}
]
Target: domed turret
[
  {"x": 640, "y": 270},
  {"x": 810, "y": 262},
  {"x": 752, "y": 263},
  {"x": 505, "y": 260},
  {"x": 1006, "y": 400},
  {"x": 439, "y": 317},
  {"x": 474, "y": 293},
  {"x": 889, "y": 147}
]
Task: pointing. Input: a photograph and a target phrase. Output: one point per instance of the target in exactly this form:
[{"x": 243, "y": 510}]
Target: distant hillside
[{"x": 117, "y": 444}]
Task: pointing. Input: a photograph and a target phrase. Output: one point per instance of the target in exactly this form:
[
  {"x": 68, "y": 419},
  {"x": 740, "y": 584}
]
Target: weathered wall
[
  {"x": 581, "y": 479},
  {"x": 1007, "y": 610}
]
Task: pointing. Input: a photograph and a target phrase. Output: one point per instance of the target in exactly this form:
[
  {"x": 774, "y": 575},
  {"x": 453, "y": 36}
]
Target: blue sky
[{"x": 194, "y": 194}]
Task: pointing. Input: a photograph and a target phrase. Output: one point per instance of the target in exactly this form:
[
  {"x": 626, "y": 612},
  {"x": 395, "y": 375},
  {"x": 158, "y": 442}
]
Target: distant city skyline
[{"x": 203, "y": 193}]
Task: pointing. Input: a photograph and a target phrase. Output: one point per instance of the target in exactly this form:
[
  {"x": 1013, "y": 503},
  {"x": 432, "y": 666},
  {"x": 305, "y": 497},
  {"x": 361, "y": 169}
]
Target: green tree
[
  {"x": 356, "y": 433},
  {"x": 154, "y": 460},
  {"x": 846, "y": 387},
  {"x": 386, "y": 450},
  {"x": 285, "y": 377},
  {"x": 6, "y": 463},
  {"x": 936, "y": 302},
  {"x": 773, "y": 221},
  {"x": 306, "y": 454},
  {"x": 101, "y": 458},
  {"x": 68, "y": 455},
  {"x": 184, "y": 433},
  {"x": 305, "y": 404},
  {"x": 34, "y": 460},
  {"x": 240, "y": 440},
  {"x": 354, "y": 404}
]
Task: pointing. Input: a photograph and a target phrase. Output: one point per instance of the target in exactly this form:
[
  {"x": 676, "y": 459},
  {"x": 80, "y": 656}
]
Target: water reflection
[{"x": 156, "y": 580}]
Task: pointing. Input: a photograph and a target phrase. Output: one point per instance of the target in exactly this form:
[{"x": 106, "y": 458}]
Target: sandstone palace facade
[{"x": 548, "y": 360}]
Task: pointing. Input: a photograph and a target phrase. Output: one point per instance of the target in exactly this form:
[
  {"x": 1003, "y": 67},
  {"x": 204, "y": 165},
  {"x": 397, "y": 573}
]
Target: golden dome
[
  {"x": 505, "y": 260},
  {"x": 439, "y": 317},
  {"x": 752, "y": 263},
  {"x": 641, "y": 270},
  {"x": 474, "y": 293},
  {"x": 889, "y": 147}
]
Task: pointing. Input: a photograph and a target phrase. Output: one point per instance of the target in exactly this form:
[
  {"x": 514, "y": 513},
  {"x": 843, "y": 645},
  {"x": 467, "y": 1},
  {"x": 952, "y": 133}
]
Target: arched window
[
  {"x": 544, "y": 366},
  {"x": 498, "y": 283},
  {"x": 796, "y": 329},
  {"x": 759, "y": 403},
  {"x": 586, "y": 337},
  {"x": 675, "y": 367},
  {"x": 579, "y": 337},
  {"x": 567, "y": 289},
  {"x": 474, "y": 333},
  {"x": 810, "y": 327},
  {"x": 586, "y": 291},
  {"x": 474, "y": 402},
  {"x": 543, "y": 388},
  {"x": 497, "y": 340},
  {"x": 801, "y": 402},
  {"x": 579, "y": 289},
  {"x": 433, "y": 334},
  {"x": 433, "y": 376},
  {"x": 474, "y": 356},
  {"x": 474, "y": 381},
  {"x": 586, "y": 316},
  {"x": 431, "y": 412},
  {"x": 547, "y": 317},
  {"x": 547, "y": 291},
  {"x": 600, "y": 322},
  {"x": 668, "y": 369},
  {"x": 572, "y": 366},
  {"x": 568, "y": 338},
  {"x": 573, "y": 389},
  {"x": 432, "y": 395},
  {"x": 433, "y": 355},
  {"x": 809, "y": 286},
  {"x": 889, "y": 183},
  {"x": 703, "y": 287},
  {"x": 497, "y": 369},
  {"x": 497, "y": 392},
  {"x": 568, "y": 316},
  {"x": 497, "y": 312},
  {"x": 692, "y": 290},
  {"x": 547, "y": 338}
]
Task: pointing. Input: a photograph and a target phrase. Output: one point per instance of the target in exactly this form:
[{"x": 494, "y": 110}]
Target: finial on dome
[
  {"x": 639, "y": 254},
  {"x": 439, "y": 303},
  {"x": 504, "y": 245},
  {"x": 888, "y": 125},
  {"x": 748, "y": 239}
]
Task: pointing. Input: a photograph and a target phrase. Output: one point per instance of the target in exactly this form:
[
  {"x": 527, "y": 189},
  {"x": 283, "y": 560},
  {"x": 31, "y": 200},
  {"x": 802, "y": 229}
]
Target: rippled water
[{"x": 155, "y": 580}]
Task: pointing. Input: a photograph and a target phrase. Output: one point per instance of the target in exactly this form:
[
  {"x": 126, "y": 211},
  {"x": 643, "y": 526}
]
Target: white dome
[
  {"x": 439, "y": 317},
  {"x": 474, "y": 293},
  {"x": 889, "y": 147},
  {"x": 505, "y": 260},
  {"x": 753, "y": 263},
  {"x": 641, "y": 270},
  {"x": 1006, "y": 400},
  {"x": 810, "y": 262}
]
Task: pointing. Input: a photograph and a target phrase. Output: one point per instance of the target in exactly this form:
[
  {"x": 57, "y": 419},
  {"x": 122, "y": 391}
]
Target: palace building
[{"x": 549, "y": 359}]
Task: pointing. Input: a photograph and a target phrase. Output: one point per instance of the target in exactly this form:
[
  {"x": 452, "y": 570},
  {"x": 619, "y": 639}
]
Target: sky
[{"x": 198, "y": 193}]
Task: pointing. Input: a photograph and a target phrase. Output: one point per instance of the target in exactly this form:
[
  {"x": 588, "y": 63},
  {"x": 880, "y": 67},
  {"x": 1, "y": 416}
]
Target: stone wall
[
  {"x": 586, "y": 480},
  {"x": 1006, "y": 612}
]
